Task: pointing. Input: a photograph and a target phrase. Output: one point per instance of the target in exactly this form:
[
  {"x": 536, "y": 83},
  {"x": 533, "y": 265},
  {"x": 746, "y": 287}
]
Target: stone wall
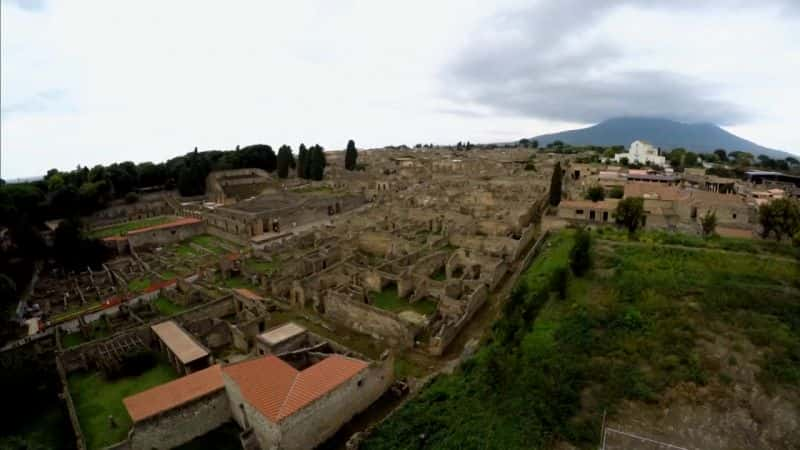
[
  {"x": 317, "y": 422},
  {"x": 367, "y": 319},
  {"x": 438, "y": 344},
  {"x": 163, "y": 236},
  {"x": 180, "y": 425},
  {"x": 267, "y": 433}
]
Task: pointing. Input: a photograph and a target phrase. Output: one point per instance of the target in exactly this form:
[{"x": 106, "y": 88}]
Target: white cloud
[{"x": 86, "y": 82}]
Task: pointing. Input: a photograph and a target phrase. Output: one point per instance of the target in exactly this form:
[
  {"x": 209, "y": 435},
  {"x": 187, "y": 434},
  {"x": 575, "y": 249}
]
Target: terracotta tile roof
[
  {"x": 278, "y": 390},
  {"x": 174, "y": 393},
  {"x": 179, "y": 341},
  {"x": 177, "y": 223}
]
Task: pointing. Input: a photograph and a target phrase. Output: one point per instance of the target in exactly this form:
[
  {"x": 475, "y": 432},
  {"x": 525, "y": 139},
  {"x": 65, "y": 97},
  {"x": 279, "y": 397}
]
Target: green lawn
[
  {"x": 239, "y": 282},
  {"x": 209, "y": 242},
  {"x": 138, "y": 285},
  {"x": 167, "y": 307},
  {"x": 263, "y": 266},
  {"x": 121, "y": 229},
  {"x": 629, "y": 329},
  {"x": 98, "y": 330},
  {"x": 390, "y": 301},
  {"x": 96, "y": 398}
]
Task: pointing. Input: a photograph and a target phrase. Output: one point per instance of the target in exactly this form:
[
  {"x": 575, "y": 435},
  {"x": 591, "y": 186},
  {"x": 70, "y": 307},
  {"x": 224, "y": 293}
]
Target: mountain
[{"x": 667, "y": 134}]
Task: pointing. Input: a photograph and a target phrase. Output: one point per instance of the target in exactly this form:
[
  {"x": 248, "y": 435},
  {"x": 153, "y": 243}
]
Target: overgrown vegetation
[
  {"x": 628, "y": 329},
  {"x": 389, "y": 300},
  {"x": 96, "y": 398}
]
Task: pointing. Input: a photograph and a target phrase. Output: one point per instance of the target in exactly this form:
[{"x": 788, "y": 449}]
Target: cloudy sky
[{"x": 87, "y": 82}]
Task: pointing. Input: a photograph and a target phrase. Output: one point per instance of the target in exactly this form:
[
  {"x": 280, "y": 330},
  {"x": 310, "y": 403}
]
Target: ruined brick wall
[
  {"x": 367, "y": 319},
  {"x": 166, "y": 235},
  {"x": 317, "y": 422},
  {"x": 438, "y": 344},
  {"x": 182, "y": 424}
]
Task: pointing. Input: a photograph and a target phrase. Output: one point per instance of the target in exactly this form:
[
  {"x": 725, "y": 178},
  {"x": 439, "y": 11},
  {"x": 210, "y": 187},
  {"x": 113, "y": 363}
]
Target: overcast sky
[{"x": 87, "y": 82}]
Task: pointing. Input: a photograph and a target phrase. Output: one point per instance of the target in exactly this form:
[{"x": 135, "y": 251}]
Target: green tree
[
  {"x": 302, "y": 161},
  {"x": 555, "y": 185},
  {"x": 630, "y": 213},
  {"x": 74, "y": 250},
  {"x": 721, "y": 154},
  {"x": 350, "y": 156},
  {"x": 690, "y": 159},
  {"x": 284, "y": 161},
  {"x": 709, "y": 223},
  {"x": 317, "y": 163},
  {"x": 55, "y": 182},
  {"x": 616, "y": 192},
  {"x": 780, "y": 217},
  {"x": 580, "y": 254},
  {"x": 596, "y": 193}
]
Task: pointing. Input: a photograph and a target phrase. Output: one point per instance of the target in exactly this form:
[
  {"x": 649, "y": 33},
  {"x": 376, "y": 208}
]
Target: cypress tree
[
  {"x": 555, "y": 185},
  {"x": 284, "y": 155},
  {"x": 317, "y": 163},
  {"x": 350, "y": 156},
  {"x": 302, "y": 157}
]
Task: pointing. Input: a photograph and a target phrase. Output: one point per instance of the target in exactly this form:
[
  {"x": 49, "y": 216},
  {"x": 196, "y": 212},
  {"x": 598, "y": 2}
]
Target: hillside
[
  {"x": 667, "y": 134},
  {"x": 647, "y": 337}
]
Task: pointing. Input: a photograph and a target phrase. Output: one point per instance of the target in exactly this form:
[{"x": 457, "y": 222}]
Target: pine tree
[
  {"x": 302, "y": 158},
  {"x": 555, "y": 185},
  {"x": 317, "y": 163},
  {"x": 284, "y": 157},
  {"x": 350, "y": 156}
]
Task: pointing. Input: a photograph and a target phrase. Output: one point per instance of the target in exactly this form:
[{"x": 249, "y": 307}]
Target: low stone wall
[
  {"x": 80, "y": 442},
  {"x": 80, "y": 357},
  {"x": 163, "y": 236},
  {"x": 222, "y": 234},
  {"x": 180, "y": 425},
  {"x": 367, "y": 319},
  {"x": 438, "y": 344}
]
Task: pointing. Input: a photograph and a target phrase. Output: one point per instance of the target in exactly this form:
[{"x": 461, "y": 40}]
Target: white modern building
[{"x": 642, "y": 153}]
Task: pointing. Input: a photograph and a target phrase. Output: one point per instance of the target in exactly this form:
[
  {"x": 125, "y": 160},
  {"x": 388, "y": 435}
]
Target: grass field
[
  {"x": 267, "y": 267},
  {"x": 98, "y": 330},
  {"x": 758, "y": 246},
  {"x": 390, "y": 301},
  {"x": 96, "y": 398},
  {"x": 167, "y": 307},
  {"x": 628, "y": 330},
  {"x": 138, "y": 285},
  {"x": 121, "y": 229}
]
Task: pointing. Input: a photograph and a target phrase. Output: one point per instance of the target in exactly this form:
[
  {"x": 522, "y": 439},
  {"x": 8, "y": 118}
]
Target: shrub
[
  {"x": 709, "y": 223},
  {"x": 596, "y": 194},
  {"x": 616, "y": 192},
  {"x": 131, "y": 197},
  {"x": 579, "y": 257},
  {"x": 630, "y": 213}
]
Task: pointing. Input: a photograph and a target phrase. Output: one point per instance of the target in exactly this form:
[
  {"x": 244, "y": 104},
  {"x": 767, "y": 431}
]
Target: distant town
[{"x": 260, "y": 300}]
